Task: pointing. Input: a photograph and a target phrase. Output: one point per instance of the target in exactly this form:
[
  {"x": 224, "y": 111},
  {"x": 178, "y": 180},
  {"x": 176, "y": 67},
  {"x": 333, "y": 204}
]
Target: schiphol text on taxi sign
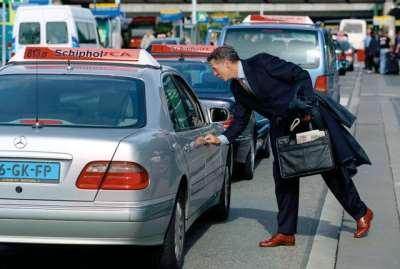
[
  {"x": 182, "y": 49},
  {"x": 46, "y": 53}
]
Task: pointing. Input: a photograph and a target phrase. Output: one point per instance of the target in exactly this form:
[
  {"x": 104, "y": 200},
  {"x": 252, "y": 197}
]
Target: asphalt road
[{"x": 232, "y": 244}]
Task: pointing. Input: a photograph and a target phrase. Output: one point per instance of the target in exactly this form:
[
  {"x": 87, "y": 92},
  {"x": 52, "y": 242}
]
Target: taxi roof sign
[
  {"x": 278, "y": 19},
  {"x": 127, "y": 56},
  {"x": 182, "y": 50}
]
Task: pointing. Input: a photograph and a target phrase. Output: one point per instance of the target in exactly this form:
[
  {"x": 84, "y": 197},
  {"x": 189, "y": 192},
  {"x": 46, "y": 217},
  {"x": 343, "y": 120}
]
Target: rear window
[
  {"x": 56, "y": 33},
  {"x": 200, "y": 76},
  {"x": 72, "y": 101},
  {"x": 86, "y": 32},
  {"x": 352, "y": 28},
  {"x": 29, "y": 33},
  {"x": 298, "y": 46}
]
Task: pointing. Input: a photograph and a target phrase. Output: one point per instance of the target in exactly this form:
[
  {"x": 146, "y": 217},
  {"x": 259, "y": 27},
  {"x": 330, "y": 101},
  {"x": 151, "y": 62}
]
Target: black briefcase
[{"x": 305, "y": 159}]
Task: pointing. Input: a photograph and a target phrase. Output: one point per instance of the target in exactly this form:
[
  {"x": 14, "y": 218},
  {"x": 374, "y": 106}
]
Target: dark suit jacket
[{"x": 273, "y": 82}]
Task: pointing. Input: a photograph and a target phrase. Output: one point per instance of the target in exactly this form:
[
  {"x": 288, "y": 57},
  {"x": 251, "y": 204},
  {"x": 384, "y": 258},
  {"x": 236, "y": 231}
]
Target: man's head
[{"x": 223, "y": 61}]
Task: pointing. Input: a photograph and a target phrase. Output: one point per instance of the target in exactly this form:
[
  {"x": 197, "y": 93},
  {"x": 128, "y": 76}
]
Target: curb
[{"x": 324, "y": 247}]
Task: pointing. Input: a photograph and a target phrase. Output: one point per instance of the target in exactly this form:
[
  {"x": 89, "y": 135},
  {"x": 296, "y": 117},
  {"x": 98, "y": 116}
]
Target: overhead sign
[{"x": 171, "y": 15}]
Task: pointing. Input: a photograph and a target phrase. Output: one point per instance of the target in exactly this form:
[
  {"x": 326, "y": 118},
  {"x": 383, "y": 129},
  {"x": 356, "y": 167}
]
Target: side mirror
[{"x": 219, "y": 114}]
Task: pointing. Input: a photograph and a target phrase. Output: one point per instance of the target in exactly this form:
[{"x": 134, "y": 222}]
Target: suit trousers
[{"x": 287, "y": 191}]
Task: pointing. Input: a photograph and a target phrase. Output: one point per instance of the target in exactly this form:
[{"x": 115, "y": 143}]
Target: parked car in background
[
  {"x": 356, "y": 30},
  {"x": 292, "y": 38},
  {"x": 55, "y": 26},
  {"x": 191, "y": 61},
  {"x": 101, "y": 147},
  {"x": 345, "y": 54},
  {"x": 344, "y": 50}
]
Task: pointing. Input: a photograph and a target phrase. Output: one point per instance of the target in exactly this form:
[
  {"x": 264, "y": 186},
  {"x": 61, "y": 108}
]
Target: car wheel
[
  {"x": 351, "y": 67},
  {"x": 342, "y": 71},
  {"x": 221, "y": 210},
  {"x": 264, "y": 151},
  {"x": 172, "y": 255},
  {"x": 248, "y": 171}
]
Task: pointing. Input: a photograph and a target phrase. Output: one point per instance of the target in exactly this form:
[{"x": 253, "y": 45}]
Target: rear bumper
[{"x": 86, "y": 225}]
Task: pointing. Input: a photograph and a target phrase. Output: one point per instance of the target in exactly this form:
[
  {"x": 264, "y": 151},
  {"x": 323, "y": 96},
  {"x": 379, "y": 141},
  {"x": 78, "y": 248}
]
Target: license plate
[{"x": 34, "y": 172}]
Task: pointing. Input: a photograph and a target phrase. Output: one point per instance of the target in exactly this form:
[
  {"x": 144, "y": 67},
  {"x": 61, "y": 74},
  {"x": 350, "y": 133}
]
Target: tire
[
  {"x": 171, "y": 253},
  {"x": 264, "y": 151},
  {"x": 342, "y": 72},
  {"x": 221, "y": 210},
  {"x": 248, "y": 169},
  {"x": 351, "y": 67}
]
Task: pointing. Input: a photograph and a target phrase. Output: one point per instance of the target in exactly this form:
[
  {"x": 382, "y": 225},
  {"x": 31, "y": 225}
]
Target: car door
[
  {"x": 189, "y": 124},
  {"x": 213, "y": 155}
]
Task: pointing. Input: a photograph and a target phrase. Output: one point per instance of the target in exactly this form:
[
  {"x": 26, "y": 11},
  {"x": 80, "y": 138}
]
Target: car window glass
[
  {"x": 200, "y": 76},
  {"x": 86, "y": 32},
  {"x": 29, "y": 33},
  {"x": 176, "y": 107},
  {"x": 298, "y": 46},
  {"x": 192, "y": 107},
  {"x": 56, "y": 33},
  {"x": 330, "y": 48},
  {"x": 72, "y": 100}
]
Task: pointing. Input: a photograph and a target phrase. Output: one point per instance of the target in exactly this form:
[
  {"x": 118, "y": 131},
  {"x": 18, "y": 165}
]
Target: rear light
[
  {"x": 321, "y": 84},
  {"x": 342, "y": 57},
  {"x": 116, "y": 175},
  {"x": 228, "y": 122},
  {"x": 41, "y": 121}
]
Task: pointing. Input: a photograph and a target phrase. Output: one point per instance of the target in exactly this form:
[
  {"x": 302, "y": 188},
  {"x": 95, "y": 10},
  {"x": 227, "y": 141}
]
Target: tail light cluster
[
  {"x": 342, "y": 57},
  {"x": 321, "y": 84},
  {"x": 115, "y": 175}
]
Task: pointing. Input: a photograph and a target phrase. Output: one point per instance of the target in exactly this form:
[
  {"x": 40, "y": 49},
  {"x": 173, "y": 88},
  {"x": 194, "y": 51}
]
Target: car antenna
[
  {"x": 69, "y": 66},
  {"x": 37, "y": 122}
]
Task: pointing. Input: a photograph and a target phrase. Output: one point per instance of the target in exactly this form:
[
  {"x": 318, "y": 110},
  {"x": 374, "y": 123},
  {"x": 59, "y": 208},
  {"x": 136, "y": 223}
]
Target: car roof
[
  {"x": 276, "y": 26},
  {"x": 75, "y": 68}
]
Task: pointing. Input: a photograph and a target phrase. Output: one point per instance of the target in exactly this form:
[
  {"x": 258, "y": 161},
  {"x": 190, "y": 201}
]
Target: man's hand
[
  {"x": 200, "y": 141},
  {"x": 212, "y": 139}
]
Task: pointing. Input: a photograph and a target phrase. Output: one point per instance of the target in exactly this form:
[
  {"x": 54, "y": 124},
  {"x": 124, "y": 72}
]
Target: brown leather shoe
[
  {"x": 363, "y": 224},
  {"x": 278, "y": 240}
]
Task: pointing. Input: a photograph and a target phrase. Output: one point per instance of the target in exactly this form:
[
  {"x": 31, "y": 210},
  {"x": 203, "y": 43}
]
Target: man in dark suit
[{"x": 266, "y": 84}]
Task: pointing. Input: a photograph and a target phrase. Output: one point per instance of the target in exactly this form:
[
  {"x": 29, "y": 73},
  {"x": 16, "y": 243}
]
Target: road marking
[
  {"x": 324, "y": 248},
  {"x": 344, "y": 100}
]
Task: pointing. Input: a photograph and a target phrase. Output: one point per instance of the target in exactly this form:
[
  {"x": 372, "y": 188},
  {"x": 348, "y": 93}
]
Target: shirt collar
[{"x": 241, "y": 74}]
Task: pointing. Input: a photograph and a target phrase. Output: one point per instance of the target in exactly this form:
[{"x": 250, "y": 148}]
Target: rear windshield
[
  {"x": 72, "y": 101},
  {"x": 297, "y": 46},
  {"x": 86, "y": 32},
  {"x": 200, "y": 76},
  {"x": 56, "y": 32},
  {"x": 29, "y": 33},
  {"x": 352, "y": 28}
]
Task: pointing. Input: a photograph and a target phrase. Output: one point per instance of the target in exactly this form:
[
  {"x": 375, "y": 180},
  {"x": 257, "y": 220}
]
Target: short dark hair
[{"x": 223, "y": 53}]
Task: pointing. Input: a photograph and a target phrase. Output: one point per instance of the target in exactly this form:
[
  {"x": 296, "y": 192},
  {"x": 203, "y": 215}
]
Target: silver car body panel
[{"x": 63, "y": 214}]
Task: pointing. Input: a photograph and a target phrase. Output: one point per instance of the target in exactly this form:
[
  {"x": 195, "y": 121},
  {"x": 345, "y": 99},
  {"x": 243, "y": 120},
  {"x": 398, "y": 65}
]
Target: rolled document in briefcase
[{"x": 312, "y": 155}]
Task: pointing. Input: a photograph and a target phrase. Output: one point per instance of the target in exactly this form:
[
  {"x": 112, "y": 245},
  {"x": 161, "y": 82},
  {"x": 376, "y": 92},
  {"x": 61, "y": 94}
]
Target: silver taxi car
[{"x": 101, "y": 146}]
